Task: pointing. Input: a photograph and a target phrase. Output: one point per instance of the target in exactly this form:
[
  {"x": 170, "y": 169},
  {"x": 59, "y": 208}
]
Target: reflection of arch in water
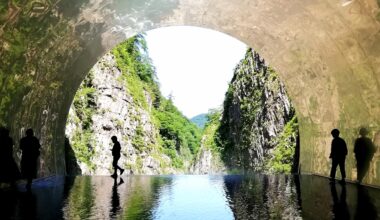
[{"x": 325, "y": 53}]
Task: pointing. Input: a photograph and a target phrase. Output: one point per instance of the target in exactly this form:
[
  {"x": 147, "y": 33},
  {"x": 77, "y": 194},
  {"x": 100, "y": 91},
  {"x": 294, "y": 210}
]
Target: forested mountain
[{"x": 200, "y": 120}]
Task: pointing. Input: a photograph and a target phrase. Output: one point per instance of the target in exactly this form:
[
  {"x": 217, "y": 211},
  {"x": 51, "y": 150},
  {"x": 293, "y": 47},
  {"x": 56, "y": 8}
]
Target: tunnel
[{"x": 326, "y": 52}]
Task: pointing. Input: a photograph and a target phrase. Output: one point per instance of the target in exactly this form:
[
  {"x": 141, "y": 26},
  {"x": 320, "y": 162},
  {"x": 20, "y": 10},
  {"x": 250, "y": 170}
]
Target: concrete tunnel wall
[{"x": 326, "y": 52}]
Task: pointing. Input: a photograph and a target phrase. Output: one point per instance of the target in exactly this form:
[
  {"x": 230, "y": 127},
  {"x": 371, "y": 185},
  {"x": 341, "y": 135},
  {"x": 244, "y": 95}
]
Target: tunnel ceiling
[{"x": 327, "y": 53}]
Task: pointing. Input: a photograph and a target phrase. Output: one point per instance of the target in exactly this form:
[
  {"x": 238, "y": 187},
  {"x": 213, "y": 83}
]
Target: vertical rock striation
[
  {"x": 208, "y": 161},
  {"x": 256, "y": 111}
]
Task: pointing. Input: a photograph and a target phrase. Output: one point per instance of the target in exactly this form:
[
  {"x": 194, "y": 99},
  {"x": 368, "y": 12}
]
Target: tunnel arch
[
  {"x": 327, "y": 52},
  {"x": 195, "y": 32}
]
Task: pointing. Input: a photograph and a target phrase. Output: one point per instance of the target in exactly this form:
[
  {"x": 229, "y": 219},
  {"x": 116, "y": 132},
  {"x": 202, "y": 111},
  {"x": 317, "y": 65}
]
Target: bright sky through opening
[{"x": 194, "y": 64}]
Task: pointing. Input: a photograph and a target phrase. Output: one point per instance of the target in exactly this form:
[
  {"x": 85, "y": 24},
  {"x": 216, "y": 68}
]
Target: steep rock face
[
  {"x": 114, "y": 114},
  {"x": 256, "y": 110},
  {"x": 207, "y": 162}
]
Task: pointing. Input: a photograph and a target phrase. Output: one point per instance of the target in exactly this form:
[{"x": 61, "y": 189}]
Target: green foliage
[
  {"x": 81, "y": 199},
  {"x": 119, "y": 123},
  {"x": 209, "y": 139},
  {"x": 131, "y": 57},
  {"x": 178, "y": 137},
  {"x": 82, "y": 143},
  {"x": 83, "y": 104},
  {"x": 177, "y": 161},
  {"x": 176, "y": 128},
  {"x": 283, "y": 155},
  {"x": 223, "y": 138},
  {"x": 85, "y": 107},
  {"x": 137, "y": 69},
  {"x": 210, "y": 131},
  {"x": 139, "y": 163},
  {"x": 142, "y": 197},
  {"x": 138, "y": 139},
  {"x": 245, "y": 107}
]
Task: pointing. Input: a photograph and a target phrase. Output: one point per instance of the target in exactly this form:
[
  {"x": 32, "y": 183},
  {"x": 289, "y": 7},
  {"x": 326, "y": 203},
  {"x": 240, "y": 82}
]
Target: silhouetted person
[
  {"x": 116, "y": 156},
  {"x": 364, "y": 150},
  {"x": 115, "y": 199},
  {"x": 30, "y": 147},
  {"x": 9, "y": 171},
  {"x": 338, "y": 155},
  {"x": 340, "y": 208}
]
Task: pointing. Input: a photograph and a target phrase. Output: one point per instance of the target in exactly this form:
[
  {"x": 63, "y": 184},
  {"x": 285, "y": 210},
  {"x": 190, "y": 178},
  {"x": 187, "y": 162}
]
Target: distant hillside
[{"x": 200, "y": 120}]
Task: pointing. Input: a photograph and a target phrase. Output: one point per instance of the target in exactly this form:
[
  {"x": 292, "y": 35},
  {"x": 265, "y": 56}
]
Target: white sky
[{"x": 194, "y": 64}]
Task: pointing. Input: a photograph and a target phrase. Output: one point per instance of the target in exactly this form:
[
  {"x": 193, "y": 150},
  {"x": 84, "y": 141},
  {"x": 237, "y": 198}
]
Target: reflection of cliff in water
[
  {"x": 191, "y": 197},
  {"x": 94, "y": 197},
  {"x": 263, "y": 197}
]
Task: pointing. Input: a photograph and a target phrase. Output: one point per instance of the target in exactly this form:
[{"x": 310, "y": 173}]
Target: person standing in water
[
  {"x": 338, "y": 155},
  {"x": 116, "y": 156},
  {"x": 30, "y": 147}
]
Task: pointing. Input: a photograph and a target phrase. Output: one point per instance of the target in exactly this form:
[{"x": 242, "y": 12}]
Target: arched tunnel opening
[
  {"x": 255, "y": 130},
  {"x": 325, "y": 51}
]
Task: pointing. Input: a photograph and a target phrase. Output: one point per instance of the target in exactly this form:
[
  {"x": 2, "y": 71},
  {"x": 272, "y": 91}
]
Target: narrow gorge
[{"x": 255, "y": 130}]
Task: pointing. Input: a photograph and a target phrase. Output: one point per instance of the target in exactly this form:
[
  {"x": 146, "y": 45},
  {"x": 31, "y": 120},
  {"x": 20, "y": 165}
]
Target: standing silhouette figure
[
  {"x": 364, "y": 150},
  {"x": 9, "y": 171},
  {"x": 116, "y": 156},
  {"x": 30, "y": 147},
  {"x": 338, "y": 155}
]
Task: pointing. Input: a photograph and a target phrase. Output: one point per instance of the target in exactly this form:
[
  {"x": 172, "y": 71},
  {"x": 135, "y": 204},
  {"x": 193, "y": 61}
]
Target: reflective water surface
[{"x": 190, "y": 197}]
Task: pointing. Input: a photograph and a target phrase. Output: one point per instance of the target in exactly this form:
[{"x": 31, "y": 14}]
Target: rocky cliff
[
  {"x": 112, "y": 111},
  {"x": 258, "y": 129},
  {"x": 208, "y": 160},
  {"x": 120, "y": 98}
]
